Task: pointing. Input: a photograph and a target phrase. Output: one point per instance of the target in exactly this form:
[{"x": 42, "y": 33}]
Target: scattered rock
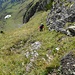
[
  {"x": 57, "y": 48},
  {"x": 27, "y": 54},
  {"x": 32, "y": 54},
  {"x": 28, "y": 67},
  {"x": 71, "y": 30},
  {"x": 43, "y": 59},
  {"x": 36, "y": 45}
]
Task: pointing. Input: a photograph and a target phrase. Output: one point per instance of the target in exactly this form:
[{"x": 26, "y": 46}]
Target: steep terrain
[
  {"x": 21, "y": 11},
  {"x": 27, "y": 51},
  {"x": 62, "y": 19},
  {"x": 32, "y": 8},
  {"x": 15, "y": 8},
  {"x": 61, "y": 16}
]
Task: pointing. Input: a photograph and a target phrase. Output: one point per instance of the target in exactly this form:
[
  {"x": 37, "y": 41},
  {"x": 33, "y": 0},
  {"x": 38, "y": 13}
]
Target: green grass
[
  {"x": 16, "y": 10},
  {"x": 14, "y": 62},
  {"x": 11, "y": 61}
]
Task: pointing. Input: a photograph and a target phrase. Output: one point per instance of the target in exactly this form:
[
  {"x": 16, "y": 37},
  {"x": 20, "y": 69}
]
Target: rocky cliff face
[
  {"x": 61, "y": 13},
  {"x": 33, "y": 8},
  {"x": 68, "y": 64}
]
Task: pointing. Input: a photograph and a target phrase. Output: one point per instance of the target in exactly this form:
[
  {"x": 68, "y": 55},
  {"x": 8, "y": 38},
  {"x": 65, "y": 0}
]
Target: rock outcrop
[
  {"x": 71, "y": 30},
  {"x": 62, "y": 12},
  {"x": 32, "y": 8},
  {"x": 68, "y": 64}
]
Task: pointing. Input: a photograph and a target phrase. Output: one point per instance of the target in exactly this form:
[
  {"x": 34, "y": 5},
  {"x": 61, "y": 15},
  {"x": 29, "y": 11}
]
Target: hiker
[{"x": 41, "y": 27}]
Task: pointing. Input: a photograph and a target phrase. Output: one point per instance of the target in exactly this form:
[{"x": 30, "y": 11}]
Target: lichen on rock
[
  {"x": 68, "y": 64},
  {"x": 62, "y": 12}
]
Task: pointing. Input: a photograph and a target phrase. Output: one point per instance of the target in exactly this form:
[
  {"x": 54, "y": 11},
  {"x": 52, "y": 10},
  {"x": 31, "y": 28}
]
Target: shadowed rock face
[
  {"x": 30, "y": 12},
  {"x": 60, "y": 14},
  {"x": 33, "y": 8},
  {"x": 68, "y": 64}
]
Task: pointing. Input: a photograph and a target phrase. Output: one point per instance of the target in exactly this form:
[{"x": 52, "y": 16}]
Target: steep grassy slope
[
  {"x": 14, "y": 61},
  {"x": 16, "y": 10}
]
